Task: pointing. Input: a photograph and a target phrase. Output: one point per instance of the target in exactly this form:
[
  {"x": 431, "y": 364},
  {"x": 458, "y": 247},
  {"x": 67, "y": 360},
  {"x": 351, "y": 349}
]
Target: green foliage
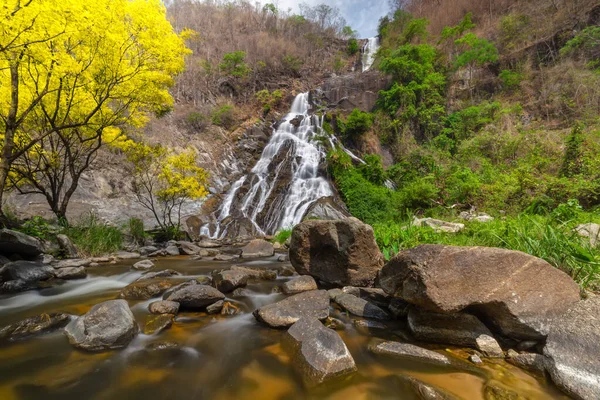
[
  {"x": 233, "y": 65},
  {"x": 454, "y": 32},
  {"x": 353, "y": 46},
  {"x": 338, "y": 64},
  {"x": 197, "y": 120},
  {"x": 567, "y": 212},
  {"x": 477, "y": 51},
  {"x": 513, "y": 30},
  {"x": 135, "y": 228},
  {"x": 292, "y": 63},
  {"x": 282, "y": 236},
  {"x": 38, "y": 227},
  {"x": 224, "y": 116},
  {"x": 372, "y": 169},
  {"x": 585, "y": 42},
  {"x": 510, "y": 79},
  {"x": 573, "y": 158},
  {"x": 269, "y": 99},
  {"x": 270, "y": 7},
  {"x": 94, "y": 238},
  {"x": 348, "y": 32},
  {"x": 465, "y": 123},
  {"x": 357, "y": 123}
]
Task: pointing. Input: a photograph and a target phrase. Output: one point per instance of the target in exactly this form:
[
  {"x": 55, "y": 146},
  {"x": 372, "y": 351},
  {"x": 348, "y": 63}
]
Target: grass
[
  {"x": 281, "y": 236},
  {"x": 94, "y": 238},
  {"x": 540, "y": 236}
]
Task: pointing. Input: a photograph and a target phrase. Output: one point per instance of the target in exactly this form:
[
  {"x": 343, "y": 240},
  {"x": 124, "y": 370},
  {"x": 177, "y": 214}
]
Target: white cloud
[{"x": 362, "y": 16}]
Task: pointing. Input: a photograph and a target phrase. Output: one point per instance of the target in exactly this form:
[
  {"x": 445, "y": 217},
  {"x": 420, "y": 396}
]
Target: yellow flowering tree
[
  {"x": 163, "y": 181},
  {"x": 71, "y": 71}
]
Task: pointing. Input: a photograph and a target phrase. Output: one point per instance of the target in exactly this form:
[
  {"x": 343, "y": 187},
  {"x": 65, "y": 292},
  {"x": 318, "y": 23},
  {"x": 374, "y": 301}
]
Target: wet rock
[
  {"x": 143, "y": 265},
  {"x": 230, "y": 308},
  {"x": 34, "y": 325},
  {"x": 70, "y": 273},
  {"x": 13, "y": 242},
  {"x": 573, "y": 348},
  {"x": 409, "y": 352},
  {"x": 166, "y": 273},
  {"x": 75, "y": 263},
  {"x": 22, "y": 275},
  {"x": 475, "y": 359},
  {"x": 215, "y": 308},
  {"x": 299, "y": 284},
  {"x": 527, "y": 345},
  {"x": 164, "y": 307},
  {"x": 366, "y": 326},
  {"x": 265, "y": 274},
  {"x": 190, "y": 249},
  {"x": 258, "y": 248},
  {"x": 146, "y": 250},
  {"x": 342, "y": 252},
  {"x": 399, "y": 308},
  {"x": 158, "y": 346},
  {"x": 158, "y": 323},
  {"x": 591, "y": 231},
  {"x": 66, "y": 246},
  {"x": 242, "y": 292},
  {"x": 172, "y": 250},
  {"x": 502, "y": 285},
  {"x": 529, "y": 361},
  {"x": 439, "y": 225},
  {"x": 108, "y": 325},
  {"x": 196, "y": 296},
  {"x": 296, "y": 121},
  {"x": 282, "y": 258},
  {"x": 126, "y": 255},
  {"x": 47, "y": 259},
  {"x": 158, "y": 253},
  {"x": 100, "y": 260},
  {"x": 318, "y": 354},
  {"x": 208, "y": 244},
  {"x": 334, "y": 292},
  {"x": 225, "y": 257},
  {"x": 146, "y": 289},
  {"x": 204, "y": 280},
  {"x": 287, "y": 270},
  {"x": 458, "y": 329},
  {"x": 420, "y": 389},
  {"x": 335, "y": 324},
  {"x": 314, "y": 304},
  {"x": 359, "y": 307},
  {"x": 376, "y": 296},
  {"x": 229, "y": 280}
]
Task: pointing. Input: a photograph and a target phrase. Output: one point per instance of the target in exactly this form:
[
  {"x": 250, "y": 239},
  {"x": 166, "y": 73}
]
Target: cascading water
[
  {"x": 284, "y": 183},
  {"x": 369, "y": 52}
]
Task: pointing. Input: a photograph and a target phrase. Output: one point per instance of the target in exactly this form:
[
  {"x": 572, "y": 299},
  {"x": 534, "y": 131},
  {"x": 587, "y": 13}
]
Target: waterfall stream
[
  {"x": 284, "y": 182},
  {"x": 369, "y": 52}
]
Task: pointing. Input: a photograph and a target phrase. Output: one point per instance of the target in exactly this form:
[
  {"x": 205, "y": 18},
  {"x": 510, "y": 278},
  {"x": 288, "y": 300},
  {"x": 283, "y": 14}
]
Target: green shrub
[
  {"x": 135, "y": 227},
  {"x": 224, "y": 116},
  {"x": 233, "y": 65},
  {"x": 357, "y": 123},
  {"x": 353, "y": 47},
  {"x": 197, "y": 120},
  {"x": 282, "y": 236},
  {"x": 94, "y": 238},
  {"x": 510, "y": 79},
  {"x": 38, "y": 227},
  {"x": 372, "y": 169},
  {"x": 292, "y": 63}
]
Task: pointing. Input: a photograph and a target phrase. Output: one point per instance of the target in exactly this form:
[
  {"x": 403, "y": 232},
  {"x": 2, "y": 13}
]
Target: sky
[{"x": 362, "y": 15}]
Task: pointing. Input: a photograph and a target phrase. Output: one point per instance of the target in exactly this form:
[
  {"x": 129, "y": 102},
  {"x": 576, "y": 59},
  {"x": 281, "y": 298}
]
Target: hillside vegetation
[{"x": 492, "y": 107}]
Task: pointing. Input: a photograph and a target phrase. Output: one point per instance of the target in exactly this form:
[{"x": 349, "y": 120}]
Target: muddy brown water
[{"x": 219, "y": 357}]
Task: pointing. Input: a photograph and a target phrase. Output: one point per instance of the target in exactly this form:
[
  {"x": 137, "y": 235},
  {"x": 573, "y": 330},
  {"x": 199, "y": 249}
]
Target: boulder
[
  {"x": 591, "y": 231},
  {"x": 502, "y": 286},
  {"x": 376, "y": 296},
  {"x": 109, "y": 325},
  {"x": 34, "y": 325},
  {"x": 196, "y": 296},
  {"x": 215, "y": 308},
  {"x": 359, "y": 307},
  {"x": 258, "y": 248},
  {"x": 146, "y": 250},
  {"x": 530, "y": 361},
  {"x": 143, "y": 265},
  {"x": 313, "y": 304},
  {"x": 209, "y": 244},
  {"x": 66, "y": 246},
  {"x": 164, "y": 307},
  {"x": 318, "y": 353},
  {"x": 22, "y": 275},
  {"x": 70, "y": 273},
  {"x": 158, "y": 323},
  {"x": 573, "y": 350},
  {"x": 265, "y": 274},
  {"x": 172, "y": 250},
  {"x": 187, "y": 248},
  {"x": 166, "y": 273},
  {"x": 144, "y": 290},
  {"x": 342, "y": 252},
  {"x": 127, "y": 255},
  {"x": 459, "y": 329},
  {"x": 229, "y": 280},
  {"x": 73, "y": 263},
  {"x": 326, "y": 208},
  {"x": 13, "y": 242},
  {"x": 439, "y": 225},
  {"x": 299, "y": 284},
  {"x": 224, "y": 257},
  {"x": 409, "y": 352}
]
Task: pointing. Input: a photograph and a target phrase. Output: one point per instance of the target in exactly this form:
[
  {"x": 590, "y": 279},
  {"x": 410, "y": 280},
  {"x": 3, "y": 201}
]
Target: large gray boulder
[
  {"x": 313, "y": 304},
  {"x": 360, "y": 307},
  {"x": 66, "y": 246},
  {"x": 229, "y": 280},
  {"x": 299, "y": 284},
  {"x": 196, "y": 296},
  {"x": 318, "y": 353},
  {"x": 109, "y": 325},
  {"x": 13, "y": 242},
  {"x": 34, "y": 325},
  {"x": 70, "y": 273},
  {"x": 325, "y": 208},
  {"x": 573, "y": 350},
  {"x": 503, "y": 286},
  {"x": 22, "y": 275},
  {"x": 258, "y": 248},
  {"x": 341, "y": 252}
]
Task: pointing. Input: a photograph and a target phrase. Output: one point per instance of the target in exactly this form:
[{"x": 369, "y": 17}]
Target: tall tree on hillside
[{"x": 79, "y": 73}]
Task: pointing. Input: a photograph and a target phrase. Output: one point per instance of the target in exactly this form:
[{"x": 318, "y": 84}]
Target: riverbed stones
[
  {"x": 313, "y": 304},
  {"x": 109, "y": 325},
  {"x": 225, "y": 257},
  {"x": 70, "y": 273},
  {"x": 158, "y": 323},
  {"x": 460, "y": 329},
  {"x": 73, "y": 263},
  {"x": 408, "y": 352},
  {"x": 144, "y": 290},
  {"x": 34, "y": 325},
  {"x": 209, "y": 244},
  {"x": 340, "y": 252},
  {"x": 196, "y": 296},
  {"x": 360, "y": 307},
  {"x": 299, "y": 285},
  {"x": 229, "y": 280},
  {"x": 376, "y": 296},
  {"x": 172, "y": 250},
  {"x": 573, "y": 349},
  {"x": 13, "y": 242},
  {"x": 127, "y": 255},
  {"x": 503, "y": 286},
  {"x": 215, "y": 308},
  {"x": 258, "y": 248},
  {"x": 187, "y": 248},
  {"x": 164, "y": 307},
  {"x": 22, "y": 275},
  {"x": 265, "y": 274},
  {"x": 143, "y": 265},
  {"x": 165, "y": 273},
  {"x": 318, "y": 353}
]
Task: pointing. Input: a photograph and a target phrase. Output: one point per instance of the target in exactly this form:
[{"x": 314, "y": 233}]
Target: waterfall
[
  {"x": 285, "y": 181},
  {"x": 369, "y": 52}
]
